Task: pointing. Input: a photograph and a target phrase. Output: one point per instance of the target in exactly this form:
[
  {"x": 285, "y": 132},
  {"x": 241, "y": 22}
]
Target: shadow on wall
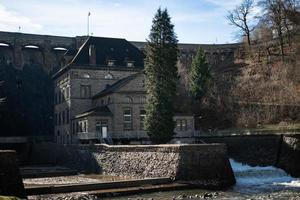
[
  {"x": 29, "y": 108},
  {"x": 209, "y": 164},
  {"x": 251, "y": 149},
  {"x": 79, "y": 157}
]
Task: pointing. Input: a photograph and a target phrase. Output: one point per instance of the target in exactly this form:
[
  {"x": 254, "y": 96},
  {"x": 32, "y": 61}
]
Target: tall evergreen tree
[
  {"x": 162, "y": 77},
  {"x": 198, "y": 75}
]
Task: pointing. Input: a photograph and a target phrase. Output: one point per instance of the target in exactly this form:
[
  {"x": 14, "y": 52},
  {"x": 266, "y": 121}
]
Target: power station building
[{"x": 99, "y": 95}]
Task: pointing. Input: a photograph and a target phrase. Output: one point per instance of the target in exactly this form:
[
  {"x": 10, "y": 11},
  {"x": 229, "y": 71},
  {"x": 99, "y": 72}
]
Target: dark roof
[
  {"x": 97, "y": 111},
  {"x": 120, "y": 83},
  {"x": 119, "y": 50}
]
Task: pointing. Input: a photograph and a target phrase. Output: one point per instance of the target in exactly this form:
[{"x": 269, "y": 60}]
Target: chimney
[{"x": 92, "y": 55}]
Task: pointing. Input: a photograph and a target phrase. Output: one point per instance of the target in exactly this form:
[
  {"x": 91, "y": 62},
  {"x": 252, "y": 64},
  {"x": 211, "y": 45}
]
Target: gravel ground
[{"x": 59, "y": 180}]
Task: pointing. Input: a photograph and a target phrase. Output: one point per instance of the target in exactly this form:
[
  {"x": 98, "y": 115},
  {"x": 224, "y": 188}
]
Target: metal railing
[
  {"x": 89, "y": 136},
  {"x": 130, "y": 135}
]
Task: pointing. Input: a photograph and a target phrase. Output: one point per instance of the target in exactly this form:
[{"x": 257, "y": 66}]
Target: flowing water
[{"x": 252, "y": 183}]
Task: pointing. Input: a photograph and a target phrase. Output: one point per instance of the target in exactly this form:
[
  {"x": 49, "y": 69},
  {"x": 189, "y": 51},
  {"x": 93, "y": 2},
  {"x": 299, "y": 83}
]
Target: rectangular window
[
  {"x": 80, "y": 127},
  {"x": 127, "y": 114},
  {"x": 181, "y": 124},
  {"x": 67, "y": 115},
  {"x": 85, "y": 91},
  {"x": 59, "y": 97},
  {"x": 111, "y": 63},
  {"x": 184, "y": 125},
  {"x": 68, "y": 92},
  {"x": 85, "y": 126},
  {"x": 178, "y": 125},
  {"x": 98, "y": 127},
  {"x": 55, "y": 119},
  {"x": 63, "y": 117},
  {"x": 101, "y": 125},
  {"x": 142, "y": 118},
  {"x": 59, "y": 118},
  {"x": 130, "y": 64},
  {"x": 63, "y": 94}
]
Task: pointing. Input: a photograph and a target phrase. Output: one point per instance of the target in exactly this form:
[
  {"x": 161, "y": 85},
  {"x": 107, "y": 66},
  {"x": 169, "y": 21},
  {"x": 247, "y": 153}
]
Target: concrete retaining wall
[{"x": 205, "y": 165}]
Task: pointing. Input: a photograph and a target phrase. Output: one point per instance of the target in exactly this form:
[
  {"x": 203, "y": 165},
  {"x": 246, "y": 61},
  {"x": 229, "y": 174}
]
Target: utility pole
[{"x": 88, "y": 23}]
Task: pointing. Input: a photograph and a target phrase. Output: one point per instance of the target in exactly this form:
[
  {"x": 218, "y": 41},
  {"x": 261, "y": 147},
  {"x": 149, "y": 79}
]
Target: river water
[{"x": 252, "y": 183}]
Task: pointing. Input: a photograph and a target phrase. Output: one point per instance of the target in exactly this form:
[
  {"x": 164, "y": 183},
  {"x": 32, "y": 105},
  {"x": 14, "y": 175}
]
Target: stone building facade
[{"x": 100, "y": 95}]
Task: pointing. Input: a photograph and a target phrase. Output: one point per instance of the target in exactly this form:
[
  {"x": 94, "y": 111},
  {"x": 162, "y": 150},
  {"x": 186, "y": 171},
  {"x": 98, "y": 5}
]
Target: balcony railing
[
  {"x": 130, "y": 135},
  {"x": 89, "y": 136}
]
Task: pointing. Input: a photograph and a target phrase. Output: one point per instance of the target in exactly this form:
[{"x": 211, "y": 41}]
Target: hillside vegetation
[{"x": 259, "y": 88}]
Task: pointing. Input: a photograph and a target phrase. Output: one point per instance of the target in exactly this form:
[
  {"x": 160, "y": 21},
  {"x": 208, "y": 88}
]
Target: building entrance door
[
  {"x": 104, "y": 132},
  {"x": 102, "y": 128}
]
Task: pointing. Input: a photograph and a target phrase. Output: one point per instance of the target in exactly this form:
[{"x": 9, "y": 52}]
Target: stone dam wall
[
  {"x": 282, "y": 151},
  {"x": 206, "y": 165}
]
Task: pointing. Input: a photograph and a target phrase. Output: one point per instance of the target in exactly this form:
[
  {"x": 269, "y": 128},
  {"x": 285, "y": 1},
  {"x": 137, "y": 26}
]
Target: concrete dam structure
[
  {"x": 27, "y": 62},
  {"x": 47, "y": 50}
]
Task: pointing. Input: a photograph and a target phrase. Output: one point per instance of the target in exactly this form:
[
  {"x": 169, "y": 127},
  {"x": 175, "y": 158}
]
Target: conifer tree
[
  {"x": 198, "y": 75},
  {"x": 162, "y": 77}
]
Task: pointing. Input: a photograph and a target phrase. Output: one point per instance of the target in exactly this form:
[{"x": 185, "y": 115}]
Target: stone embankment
[{"x": 206, "y": 165}]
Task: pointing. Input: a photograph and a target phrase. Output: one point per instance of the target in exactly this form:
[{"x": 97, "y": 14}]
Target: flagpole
[{"x": 88, "y": 24}]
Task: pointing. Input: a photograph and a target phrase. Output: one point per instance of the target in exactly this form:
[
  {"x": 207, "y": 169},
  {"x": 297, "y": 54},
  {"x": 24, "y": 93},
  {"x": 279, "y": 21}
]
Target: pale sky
[{"x": 196, "y": 21}]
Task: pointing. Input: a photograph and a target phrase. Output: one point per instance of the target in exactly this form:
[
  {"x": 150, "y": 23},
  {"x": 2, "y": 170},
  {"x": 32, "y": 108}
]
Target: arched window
[
  {"x": 60, "y": 49},
  {"x": 4, "y": 44},
  {"x": 108, "y": 76},
  {"x": 85, "y": 75},
  {"x": 31, "y": 47}
]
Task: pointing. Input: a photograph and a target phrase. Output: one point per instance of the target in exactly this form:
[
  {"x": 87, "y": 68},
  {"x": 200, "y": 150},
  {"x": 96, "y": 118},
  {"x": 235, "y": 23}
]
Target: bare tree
[
  {"x": 278, "y": 14},
  {"x": 291, "y": 18},
  {"x": 239, "y": 17}
]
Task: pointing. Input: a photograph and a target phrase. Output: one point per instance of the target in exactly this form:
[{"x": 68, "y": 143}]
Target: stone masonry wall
[{"x": 206, "y": 164}]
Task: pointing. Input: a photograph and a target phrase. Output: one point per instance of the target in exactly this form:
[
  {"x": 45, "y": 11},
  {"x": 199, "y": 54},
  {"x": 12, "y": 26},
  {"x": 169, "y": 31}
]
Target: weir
[
  {"x": 201, "y": 166},
  {"x": 206, "y": 165}
]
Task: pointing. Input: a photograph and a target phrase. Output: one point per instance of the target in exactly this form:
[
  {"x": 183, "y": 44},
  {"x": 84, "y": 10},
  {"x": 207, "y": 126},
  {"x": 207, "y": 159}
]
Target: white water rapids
[{"x": 263, "y": 177}]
